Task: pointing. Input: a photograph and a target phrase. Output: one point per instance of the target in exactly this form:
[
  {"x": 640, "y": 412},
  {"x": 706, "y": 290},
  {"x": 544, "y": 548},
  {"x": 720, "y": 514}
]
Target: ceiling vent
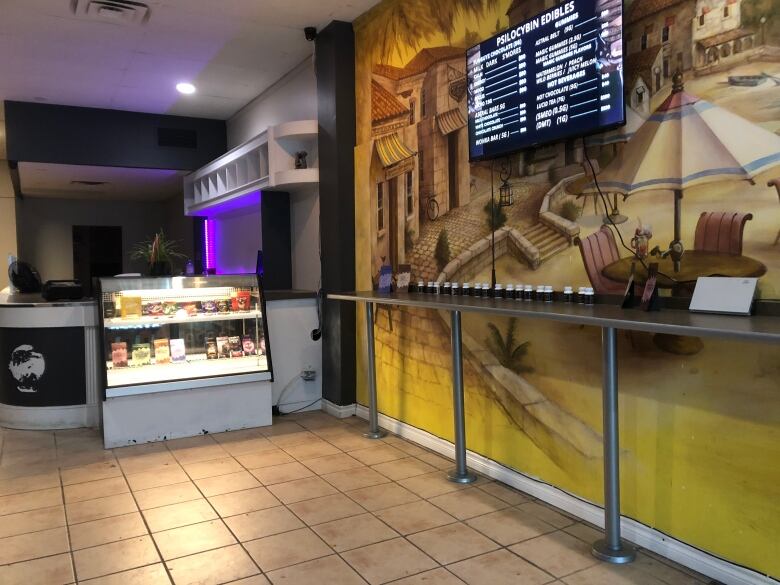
[{"x": 114, "y": 11}]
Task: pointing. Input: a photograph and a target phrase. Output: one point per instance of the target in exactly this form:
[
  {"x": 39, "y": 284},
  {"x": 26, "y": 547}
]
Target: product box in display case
[{"x": 178, "y": 333}]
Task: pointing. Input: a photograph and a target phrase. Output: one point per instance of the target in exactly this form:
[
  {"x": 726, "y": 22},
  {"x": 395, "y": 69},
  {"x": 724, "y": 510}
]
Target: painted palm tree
[
  {"x": 411, "y": 22},
  {"x": 509, "y": 353}
]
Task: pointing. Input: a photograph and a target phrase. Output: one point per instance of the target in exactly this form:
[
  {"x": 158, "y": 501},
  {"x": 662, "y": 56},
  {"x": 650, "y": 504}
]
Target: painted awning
[
  {"x": 391, "y": 150},
  {"x": 450, "y": 121}
]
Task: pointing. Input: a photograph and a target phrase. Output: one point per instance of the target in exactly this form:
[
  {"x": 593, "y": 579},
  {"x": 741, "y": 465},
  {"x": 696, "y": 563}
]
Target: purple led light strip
[{"x": 208, "y": 243}]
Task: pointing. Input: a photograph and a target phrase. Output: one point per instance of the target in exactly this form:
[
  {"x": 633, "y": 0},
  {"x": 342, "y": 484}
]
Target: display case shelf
[{"x": 122, "y": 323}]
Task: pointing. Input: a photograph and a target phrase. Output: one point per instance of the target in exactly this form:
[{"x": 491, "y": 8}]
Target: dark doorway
[
  {"x": 452, "y": 164},
  {"x": 97, "y": 251},
  {"x": 392, "y": 227}
]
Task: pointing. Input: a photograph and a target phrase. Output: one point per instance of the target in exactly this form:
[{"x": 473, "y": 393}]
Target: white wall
[
  {"x": 45, "y": 232},
  {"x": 294, "y": 97}
]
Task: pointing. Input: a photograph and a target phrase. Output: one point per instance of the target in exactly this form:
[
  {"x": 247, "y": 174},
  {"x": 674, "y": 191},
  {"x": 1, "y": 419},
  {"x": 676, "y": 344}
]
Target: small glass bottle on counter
[
  {"x": 420, "y": 286},
  {"x": 528, "y": 293},
  {"x": 447, "y": 290},
  {"x": 465, "y": 290},
  {"x": 498, "y": 291},
  {"x": 568, "y": 294},
  {"x": 590, "y": 296},
  {"x": 548, "y": 294},
  {"x": 539, "y": 293},
  {"x": 455, "y": 289},
  {"x": 510, "y": 292},
  {"x": 518, "y": 292},
  {"x": 581, "y": 295}
]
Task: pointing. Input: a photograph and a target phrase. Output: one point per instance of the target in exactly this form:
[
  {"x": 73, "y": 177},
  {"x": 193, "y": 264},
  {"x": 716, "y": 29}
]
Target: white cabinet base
[{"x": 131, "y": 420}]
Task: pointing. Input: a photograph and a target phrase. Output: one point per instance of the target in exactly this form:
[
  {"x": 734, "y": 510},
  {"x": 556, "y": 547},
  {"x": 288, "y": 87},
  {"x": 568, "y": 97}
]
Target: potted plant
[{"x": 158, "y": 252}]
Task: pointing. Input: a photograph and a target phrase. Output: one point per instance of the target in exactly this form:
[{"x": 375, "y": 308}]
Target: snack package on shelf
[
  {"x": 178, "y": 350},
  {"x": 119, "y": 354},
  {"x": 142, "y": 354},
  {"x": 162, "y": 352},
  {"x": 130, "y": 307},
  {"x": 223, "y": 346},
  {"x": 248, "y": 345},
  {"x": 211, "y": 348},
  {"x": 235, "y": 346}
]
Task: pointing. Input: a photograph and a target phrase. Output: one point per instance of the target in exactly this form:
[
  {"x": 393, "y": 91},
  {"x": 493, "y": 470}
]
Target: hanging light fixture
[{"x": 506, "y": 195}]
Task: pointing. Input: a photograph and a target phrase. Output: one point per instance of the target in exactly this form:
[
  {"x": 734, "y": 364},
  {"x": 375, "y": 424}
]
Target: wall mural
[{"x": 700, "y": 419}]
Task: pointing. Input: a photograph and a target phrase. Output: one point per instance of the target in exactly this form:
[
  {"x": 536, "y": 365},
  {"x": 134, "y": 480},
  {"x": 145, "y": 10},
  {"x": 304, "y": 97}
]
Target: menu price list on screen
[{"x": 555, "y": 76}]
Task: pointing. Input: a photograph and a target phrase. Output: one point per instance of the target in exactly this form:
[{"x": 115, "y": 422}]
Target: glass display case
[{"x": 180, "y": 332}]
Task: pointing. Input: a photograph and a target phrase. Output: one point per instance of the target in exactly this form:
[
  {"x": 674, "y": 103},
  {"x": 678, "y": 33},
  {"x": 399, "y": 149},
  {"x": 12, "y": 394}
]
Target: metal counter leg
[
  {"x": 374, "y": 432},
  {"x": 461, "y": 473},
  {"x": 611, "y": 548}
]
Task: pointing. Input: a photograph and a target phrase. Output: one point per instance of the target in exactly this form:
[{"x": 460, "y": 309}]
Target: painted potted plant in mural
[{"x": 159, "y": 253}]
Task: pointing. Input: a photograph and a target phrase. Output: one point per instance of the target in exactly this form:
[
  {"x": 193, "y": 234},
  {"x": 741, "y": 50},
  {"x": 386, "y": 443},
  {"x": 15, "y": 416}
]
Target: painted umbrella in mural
[{"x": 687, "y": 142}]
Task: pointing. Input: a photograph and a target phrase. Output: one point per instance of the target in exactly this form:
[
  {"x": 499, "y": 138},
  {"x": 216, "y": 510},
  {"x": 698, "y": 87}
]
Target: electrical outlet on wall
[{"x": 308, "y": 373}]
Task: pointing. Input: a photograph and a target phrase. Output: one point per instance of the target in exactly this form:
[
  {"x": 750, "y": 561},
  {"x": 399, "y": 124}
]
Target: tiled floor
[{"x": 305, "y": 501}]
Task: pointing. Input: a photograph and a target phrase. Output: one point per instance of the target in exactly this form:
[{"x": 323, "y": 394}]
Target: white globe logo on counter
[{"x": 27, "y": 367}]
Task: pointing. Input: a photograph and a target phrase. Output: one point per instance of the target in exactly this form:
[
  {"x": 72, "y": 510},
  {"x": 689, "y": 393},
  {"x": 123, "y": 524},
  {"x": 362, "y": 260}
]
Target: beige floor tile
[
  {"x": 265, "y": 459},
  {"x": 431, "y": 484},
  {"x": 438, "y": 576},
  {"x": 23, "y": 502},
  {"x": 33, "y": 545},
  {"x": 212, "y": 468},
  {"x": 256, "y": 580},
  {"x": 114, "y": 557},
  {"x": 288, "y": 548},
  {"x": 354, "y": 532},
  {"x": 101, "y": 508},
  {"x": 352, "y": 479},
  {"x": 55, "y": 570},
  {"x": 379, "y": 497},
  {"x": 405, "y": 446},
  {"x": 262, "y": 523},
  {"x": 415, "y": 517},
  {"x": 84, "y": 458},
  {"x": 325, "y": 509},
  {"x": 281, "y": 428},
  {"x": 249, "y": 446},
  {"x": 505, "y": 493},
  {"x": 168, "y": 475},
  {"x": 510, "y": 526},
  {"x": 22, "y": 470},
  {"x": 149, "y": 575},
  {"x": 243, "y": 502},
  {"x": 147, "y": 462},
  {"x": 558, "y": 553},
  {"x": 607, "y": 574},
  {"x": 468, "y": 503},
  {"x": 225, "y": 484},
  {"x": 123, "y": 453},
  {"x": 317, "y": 420},
  {"x": 301, "y": 489},
  {"x": 286, "y": 440},
  {"x": 185, "y": 443},
  {"x": 199, "y": 454},
  {"x": 328, "y": 570},
  {"x": 451, "y": 543},
  {"x": 32, "y": 521},
  {"x": 29, "y": 483},
  {"x": 389, "y": 560},
  {"x": 585, "y": 532},
  {"x": 378, "y": 454},
  {"x": 192, "y": 539},
  {"x": 167, "y": 495},
  {"x": 237, "y": 436},
  {"x": 212, "y": 567},
  {"x": 332, "y": 463},
  {"x": 546, "y": 513},
  {"x": 177, "y": 515},
  {"x": 403, "y": 468},
  {"x": 92, "y": 490},
  {"x": 351, "y": 441},
  {"x": 107, "y": 530},
  {"x": 281, "y": 473},
  {"x": 667, "y": 570},
  {"x": 333, "y": 431},
  {"x": 311, "y": 449},
  {"x": 500, "y": 567},
  {"x": 92, "y": 472},
  {"x": 437, "y": 461}
]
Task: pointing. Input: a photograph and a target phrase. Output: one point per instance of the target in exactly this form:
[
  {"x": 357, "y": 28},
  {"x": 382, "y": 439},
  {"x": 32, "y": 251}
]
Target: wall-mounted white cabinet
[{"x": 267, "y": 161}]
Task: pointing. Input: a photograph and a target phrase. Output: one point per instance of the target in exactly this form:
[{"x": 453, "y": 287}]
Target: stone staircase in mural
[{"x": 548, "y": 241}]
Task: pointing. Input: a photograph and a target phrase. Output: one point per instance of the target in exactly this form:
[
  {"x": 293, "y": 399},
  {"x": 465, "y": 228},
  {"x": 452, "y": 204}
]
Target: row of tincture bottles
[{"x": 518, "y": 292}]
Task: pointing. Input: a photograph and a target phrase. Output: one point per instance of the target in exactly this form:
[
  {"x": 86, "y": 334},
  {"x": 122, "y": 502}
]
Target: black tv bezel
[{"x": 573, "y": 135}]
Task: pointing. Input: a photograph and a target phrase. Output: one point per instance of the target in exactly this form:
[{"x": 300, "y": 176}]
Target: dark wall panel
[
  {"x": 88, "y": 136},
  {"x": 335, "y": 68}
]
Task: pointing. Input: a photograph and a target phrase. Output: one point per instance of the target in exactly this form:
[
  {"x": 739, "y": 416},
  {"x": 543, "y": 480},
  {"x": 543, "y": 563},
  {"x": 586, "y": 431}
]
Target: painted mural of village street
[{"x": 532, "y": 388}]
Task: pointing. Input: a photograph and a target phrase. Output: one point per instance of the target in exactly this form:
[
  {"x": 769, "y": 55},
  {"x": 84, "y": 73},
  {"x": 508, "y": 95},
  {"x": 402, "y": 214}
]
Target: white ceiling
[
  {"x": 122, "y": 184},
  {"x": 231, "y": 50}
]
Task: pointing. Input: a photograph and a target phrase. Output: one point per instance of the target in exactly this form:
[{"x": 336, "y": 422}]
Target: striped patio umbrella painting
[
  {"x": 686, "y": 142},
  {"x": 634, "y": 121}
]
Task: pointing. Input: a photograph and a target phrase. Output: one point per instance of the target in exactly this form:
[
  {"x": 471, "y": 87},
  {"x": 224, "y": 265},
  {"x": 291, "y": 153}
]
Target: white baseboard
[
  {"x": 337, "y": 410},
  {"x": 632, "y": 530}
]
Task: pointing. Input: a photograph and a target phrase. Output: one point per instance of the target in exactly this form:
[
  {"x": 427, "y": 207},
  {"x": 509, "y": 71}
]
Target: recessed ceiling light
[{"x": 185, "y": 88}]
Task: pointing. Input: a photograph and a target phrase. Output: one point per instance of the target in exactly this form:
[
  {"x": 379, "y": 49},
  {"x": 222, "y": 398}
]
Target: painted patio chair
[
  {"x": 721, "y": 232},
  {"x": 598, "y": 250}
]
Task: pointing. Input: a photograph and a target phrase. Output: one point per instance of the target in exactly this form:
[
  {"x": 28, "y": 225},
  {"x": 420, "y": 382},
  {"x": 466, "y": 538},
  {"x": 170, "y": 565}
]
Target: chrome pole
[
  {"x": 374, "y": 432},
  {"x": 461, "y": 473},
  {"x": 611, "y": 548}
]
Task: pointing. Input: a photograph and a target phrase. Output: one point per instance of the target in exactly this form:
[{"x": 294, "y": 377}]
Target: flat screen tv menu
[{"x": 552, "y": 77}]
